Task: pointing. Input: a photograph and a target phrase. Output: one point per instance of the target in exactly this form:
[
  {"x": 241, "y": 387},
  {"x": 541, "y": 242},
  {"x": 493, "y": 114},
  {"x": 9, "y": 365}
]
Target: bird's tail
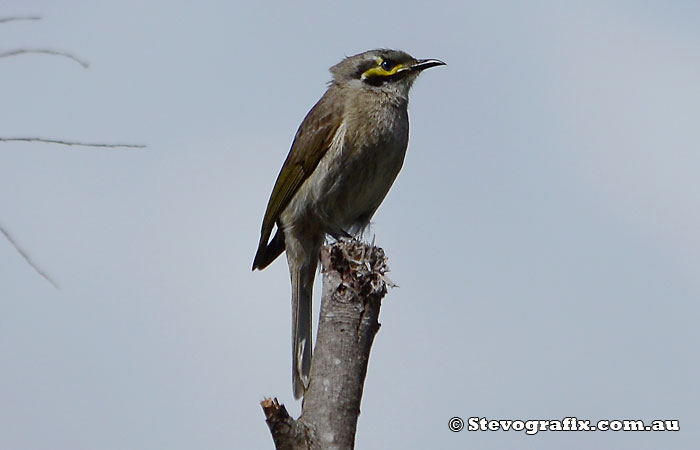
[
  {"x": 302, "y": 271},
  {"x": 301, "y": 337}
]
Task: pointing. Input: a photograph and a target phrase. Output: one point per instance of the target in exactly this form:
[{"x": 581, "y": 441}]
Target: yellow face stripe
[{"x": 378, "y": 71}]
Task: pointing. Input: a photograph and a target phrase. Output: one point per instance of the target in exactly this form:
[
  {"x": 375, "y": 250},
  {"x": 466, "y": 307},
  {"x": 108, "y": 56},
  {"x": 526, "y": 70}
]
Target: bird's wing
[{"x": 311, "y": 142}]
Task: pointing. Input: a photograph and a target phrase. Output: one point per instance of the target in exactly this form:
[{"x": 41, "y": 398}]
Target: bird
[{"x": 344, "y": 158}]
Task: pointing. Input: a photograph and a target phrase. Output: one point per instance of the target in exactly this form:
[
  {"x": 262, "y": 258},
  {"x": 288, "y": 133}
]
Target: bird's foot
[{"x": 341, "y": 235}]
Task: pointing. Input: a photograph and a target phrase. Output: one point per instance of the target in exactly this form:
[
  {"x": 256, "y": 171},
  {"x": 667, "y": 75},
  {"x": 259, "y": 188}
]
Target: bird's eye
[{"x": 388, "y": 64}]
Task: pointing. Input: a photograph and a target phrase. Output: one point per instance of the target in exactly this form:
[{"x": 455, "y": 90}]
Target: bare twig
[
  {"x": 287, "y": 433},
  {"x": 26, "y": 256},
  {"x": 84, "y": 64},
  {"x": 15, "y": 18},
  {"x": 70, "y": 143},
  {"x": 44, "y": 51}
]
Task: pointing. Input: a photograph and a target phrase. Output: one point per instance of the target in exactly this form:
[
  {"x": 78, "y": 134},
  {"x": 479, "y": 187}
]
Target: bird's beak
[{"x": 422, "y": 64}]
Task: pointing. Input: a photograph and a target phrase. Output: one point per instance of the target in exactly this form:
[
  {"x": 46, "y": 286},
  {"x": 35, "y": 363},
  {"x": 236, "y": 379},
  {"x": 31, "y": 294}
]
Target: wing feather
[{"x": 312, "y": 140}]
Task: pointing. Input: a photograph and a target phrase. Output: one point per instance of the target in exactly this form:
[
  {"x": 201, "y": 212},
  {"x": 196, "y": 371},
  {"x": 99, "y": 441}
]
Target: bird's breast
[{"x": 355, "y": 174}]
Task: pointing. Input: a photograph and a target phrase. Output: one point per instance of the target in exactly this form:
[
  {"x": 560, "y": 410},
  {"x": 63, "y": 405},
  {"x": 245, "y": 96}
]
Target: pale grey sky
[{"x": 543, "y": 231}]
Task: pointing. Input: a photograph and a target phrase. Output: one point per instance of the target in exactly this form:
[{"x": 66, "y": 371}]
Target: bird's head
[{"x": 382, "y": 69}]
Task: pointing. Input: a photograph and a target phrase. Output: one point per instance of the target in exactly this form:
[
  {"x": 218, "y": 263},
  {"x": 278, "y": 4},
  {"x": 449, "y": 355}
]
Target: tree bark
[{"x": 354, "y": 284}]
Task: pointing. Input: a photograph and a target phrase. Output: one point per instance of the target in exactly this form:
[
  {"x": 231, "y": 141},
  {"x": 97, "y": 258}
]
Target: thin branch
[
  {"x": 353, "y": 287},
  {"x": 15, "y": 18},
  {"x": 71, "y": 143},
  {"x": 84, "y": 64},
  {"x": 287, "y": 433},
  {"x": 44, "y": 51},
  {"x": 26, "y": 256}
]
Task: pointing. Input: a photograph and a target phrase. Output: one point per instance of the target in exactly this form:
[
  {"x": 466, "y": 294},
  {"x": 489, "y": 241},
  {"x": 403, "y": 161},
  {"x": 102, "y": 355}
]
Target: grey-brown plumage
[{"x": 345, "y": 156}]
